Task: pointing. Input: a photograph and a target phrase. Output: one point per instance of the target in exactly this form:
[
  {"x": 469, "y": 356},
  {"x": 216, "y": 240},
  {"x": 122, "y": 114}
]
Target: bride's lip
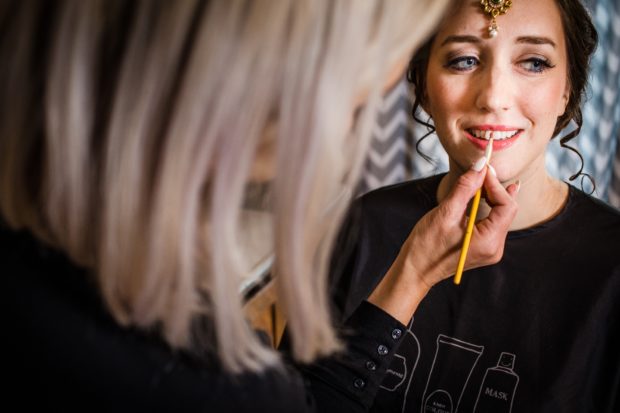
[{"x": 498, "y": 145}]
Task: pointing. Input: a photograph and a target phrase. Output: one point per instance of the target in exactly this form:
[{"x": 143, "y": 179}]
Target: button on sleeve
[
  {"x": 397, "y": 333},
  {"x": 382, "y": 350}
]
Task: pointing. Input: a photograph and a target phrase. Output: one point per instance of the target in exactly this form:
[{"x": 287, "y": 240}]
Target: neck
[{"x": 540, "y": 198}]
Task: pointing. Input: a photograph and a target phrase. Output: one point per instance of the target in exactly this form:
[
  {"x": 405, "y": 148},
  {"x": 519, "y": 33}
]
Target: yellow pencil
[{"x": 472, "y": 220}]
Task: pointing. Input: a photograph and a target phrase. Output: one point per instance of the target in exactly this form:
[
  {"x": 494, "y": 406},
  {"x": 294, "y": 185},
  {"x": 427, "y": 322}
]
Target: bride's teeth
[{"x": 497, "y": 135}]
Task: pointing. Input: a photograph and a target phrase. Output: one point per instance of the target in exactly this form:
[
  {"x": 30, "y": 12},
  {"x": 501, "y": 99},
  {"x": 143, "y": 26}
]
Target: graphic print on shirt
[
  {"x": 404, "y": 363},
  {"x": 392, "y": 391},
  {"x": 395, "y": 374},
  {"x": 498, "y": 386},
  {"x": 451, "y": 369}
]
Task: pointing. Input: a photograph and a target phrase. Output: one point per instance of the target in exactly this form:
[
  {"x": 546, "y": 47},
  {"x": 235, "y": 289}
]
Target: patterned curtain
[
  {"x": 603, "y": 109},
  {"x": 393, "y": 158}
]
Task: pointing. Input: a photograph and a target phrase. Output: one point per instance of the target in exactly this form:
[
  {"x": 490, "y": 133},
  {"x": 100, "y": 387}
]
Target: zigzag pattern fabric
[
  {"x": 392, "y": 156},
  {"x": 605, "y": 101},
  {"x": 598, "y": 140}
]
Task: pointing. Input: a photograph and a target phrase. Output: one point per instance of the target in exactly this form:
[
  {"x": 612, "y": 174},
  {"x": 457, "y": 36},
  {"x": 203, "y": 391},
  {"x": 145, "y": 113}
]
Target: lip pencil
[{"x": 472, "y": 220}]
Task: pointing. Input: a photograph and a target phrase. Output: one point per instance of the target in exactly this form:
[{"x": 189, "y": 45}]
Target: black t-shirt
[{"x": 537, "y": 332}]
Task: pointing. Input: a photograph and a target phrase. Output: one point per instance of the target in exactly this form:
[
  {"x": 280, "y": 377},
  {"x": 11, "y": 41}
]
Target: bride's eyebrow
[
  {"x": 461, "y": 39},
  {"x": 536, "y": 40}
]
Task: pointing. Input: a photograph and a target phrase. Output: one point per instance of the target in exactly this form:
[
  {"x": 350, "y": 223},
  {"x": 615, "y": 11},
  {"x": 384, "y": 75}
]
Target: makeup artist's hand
[{"x": 430, "y": 253}]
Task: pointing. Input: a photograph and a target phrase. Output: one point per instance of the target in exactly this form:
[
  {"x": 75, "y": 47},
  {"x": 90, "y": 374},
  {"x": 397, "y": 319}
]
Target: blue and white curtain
[{"x": 392, "y": 157}]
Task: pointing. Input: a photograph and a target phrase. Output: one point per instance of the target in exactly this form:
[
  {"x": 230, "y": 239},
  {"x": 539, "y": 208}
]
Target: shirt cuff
[{"x": 371, "y": 337}]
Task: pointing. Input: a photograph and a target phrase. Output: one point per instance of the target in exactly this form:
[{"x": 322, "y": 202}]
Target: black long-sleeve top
[{"x": 64, "y": 352}]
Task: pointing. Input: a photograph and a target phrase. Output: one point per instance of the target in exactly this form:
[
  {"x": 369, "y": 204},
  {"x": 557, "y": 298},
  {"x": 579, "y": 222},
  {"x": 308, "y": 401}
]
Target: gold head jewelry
[{"x": 494, "y": 8}]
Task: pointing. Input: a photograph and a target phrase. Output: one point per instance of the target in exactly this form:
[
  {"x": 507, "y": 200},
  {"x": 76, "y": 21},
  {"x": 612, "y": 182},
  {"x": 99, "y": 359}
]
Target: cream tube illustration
[
  {"x": 498, "y": 387},
  {"x": 452, "y": 366}
]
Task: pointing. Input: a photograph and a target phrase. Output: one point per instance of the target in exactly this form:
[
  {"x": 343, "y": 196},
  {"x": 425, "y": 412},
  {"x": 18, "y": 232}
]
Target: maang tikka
[{"x": 494, "y": 8}]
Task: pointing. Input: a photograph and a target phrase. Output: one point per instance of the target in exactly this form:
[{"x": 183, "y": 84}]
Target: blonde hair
[{"x": 129, "y": 130}]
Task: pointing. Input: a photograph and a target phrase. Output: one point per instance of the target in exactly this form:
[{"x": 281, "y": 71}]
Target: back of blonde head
[{"x": 129, "y": 131}]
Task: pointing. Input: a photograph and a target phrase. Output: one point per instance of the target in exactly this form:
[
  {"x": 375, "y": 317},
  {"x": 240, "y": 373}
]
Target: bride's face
[{"x": 512, "y": 86}]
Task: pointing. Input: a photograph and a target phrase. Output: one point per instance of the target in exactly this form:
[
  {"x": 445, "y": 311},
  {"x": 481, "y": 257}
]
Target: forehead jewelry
[{"x": 494, "y": 8}]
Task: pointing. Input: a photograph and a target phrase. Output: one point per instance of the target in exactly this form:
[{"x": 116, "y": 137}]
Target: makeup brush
[{"x": 472, "y": 220}]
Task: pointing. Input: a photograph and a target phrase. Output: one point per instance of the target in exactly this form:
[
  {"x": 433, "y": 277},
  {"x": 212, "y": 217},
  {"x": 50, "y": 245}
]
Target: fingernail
[
  {"x": 479, "y": 164},
  {"x": 492, "y": 170},
  {"x": 518, "y": 183}
]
